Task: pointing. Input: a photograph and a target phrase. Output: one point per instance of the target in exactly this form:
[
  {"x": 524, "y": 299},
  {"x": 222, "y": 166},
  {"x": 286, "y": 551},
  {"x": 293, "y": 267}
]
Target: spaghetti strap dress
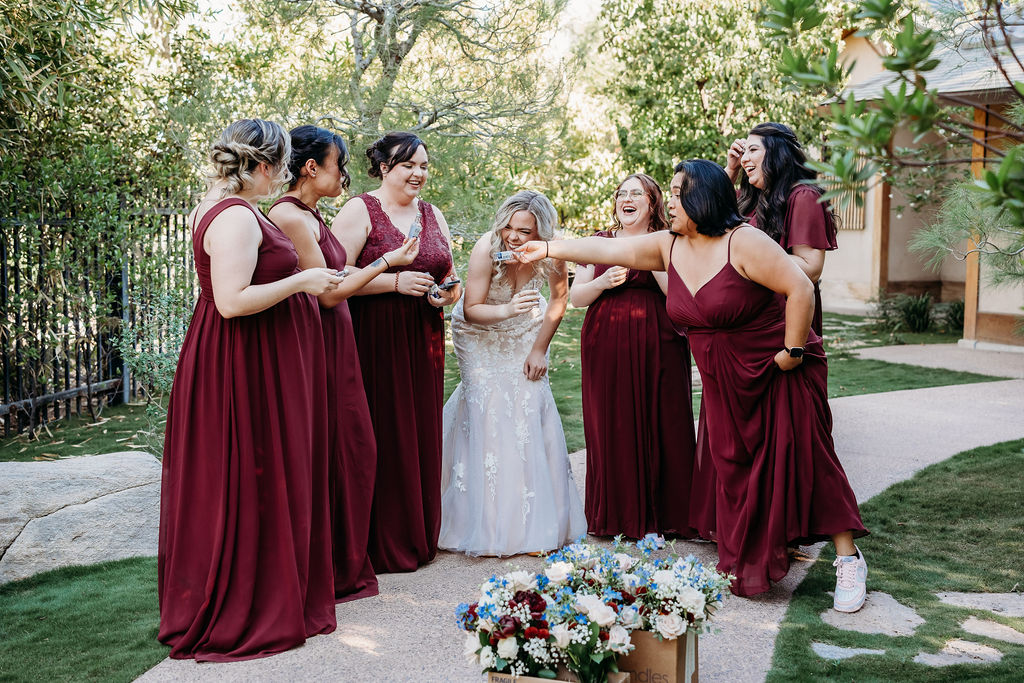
[
  {"x": 807, "y": 222},
  {"x": 770, "y": 432},
  {"x": 244, "y": 561},
  {"x": 637, "y": 412},
  {"x": 401, "y": 351},
  {"x": 352, "y": 446}
]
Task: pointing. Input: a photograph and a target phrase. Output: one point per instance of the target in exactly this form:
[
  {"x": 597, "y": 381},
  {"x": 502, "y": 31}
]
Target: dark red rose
[
  {"x": 507, "y": 626},
  {"x": 603, "y": 635},
  {"x": 628, "y": 598},
  {"x": 543, "y": 633},
  {"x": 492, "y": 640},
  {"x": 531, "y": 632},
  {"x": 533, "y": 600},
  {"x": 641, "y": 590}
]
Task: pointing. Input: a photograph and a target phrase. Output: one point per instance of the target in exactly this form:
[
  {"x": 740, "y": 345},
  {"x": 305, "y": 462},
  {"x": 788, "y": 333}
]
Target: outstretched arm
[{"x": 645, "y": 252}]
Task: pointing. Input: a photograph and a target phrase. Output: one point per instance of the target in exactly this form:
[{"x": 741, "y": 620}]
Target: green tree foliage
[
  {"x": 693, "y": 75},
  {"x": 986, "y": 215}
]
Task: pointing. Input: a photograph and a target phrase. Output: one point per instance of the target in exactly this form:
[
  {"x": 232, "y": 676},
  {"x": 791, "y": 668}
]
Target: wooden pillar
[
  {"x": 880, "y": 240},
  {"x": 972, "y": 279}
]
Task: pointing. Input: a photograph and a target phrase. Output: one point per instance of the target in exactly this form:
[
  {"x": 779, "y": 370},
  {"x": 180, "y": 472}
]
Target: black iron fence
[{"x": 63, "y": 304}]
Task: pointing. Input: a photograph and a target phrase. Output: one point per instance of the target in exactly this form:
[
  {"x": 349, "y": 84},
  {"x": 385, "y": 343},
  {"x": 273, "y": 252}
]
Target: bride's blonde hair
[{"x": 543, "y": 212}]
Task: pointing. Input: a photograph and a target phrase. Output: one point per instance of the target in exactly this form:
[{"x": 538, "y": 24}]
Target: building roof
[{"x": 965, "y": 71}]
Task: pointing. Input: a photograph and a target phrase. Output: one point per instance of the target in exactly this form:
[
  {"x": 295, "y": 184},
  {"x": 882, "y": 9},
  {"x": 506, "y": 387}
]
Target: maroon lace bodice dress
[
  {"x": 401, "y": 351},
  {"x": 637, "y": 414},
  {"x": 770, "y": 432},
  {"x": 353, "y": 448},
  {"x": 244, "y": 566}
]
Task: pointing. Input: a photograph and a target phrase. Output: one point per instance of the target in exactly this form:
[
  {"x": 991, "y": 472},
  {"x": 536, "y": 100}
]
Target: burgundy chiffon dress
[
  {"x": 244, "y": 564},
  {"x": 637, "y": 412},
  {"x": 807, "y": 222},
  {"x": 353, "y": 449},
  {"x": 401, "y": 351},
  {"x": 770, "y": 432}
]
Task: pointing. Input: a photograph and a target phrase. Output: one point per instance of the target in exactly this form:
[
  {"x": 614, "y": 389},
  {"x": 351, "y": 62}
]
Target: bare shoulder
[
  {"x": 352, "y": 216},
  {"x": 441, "y": 222}
]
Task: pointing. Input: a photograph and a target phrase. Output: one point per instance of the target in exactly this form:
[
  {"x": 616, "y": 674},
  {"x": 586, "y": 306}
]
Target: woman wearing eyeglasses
[{"x": 636, "y": 380}]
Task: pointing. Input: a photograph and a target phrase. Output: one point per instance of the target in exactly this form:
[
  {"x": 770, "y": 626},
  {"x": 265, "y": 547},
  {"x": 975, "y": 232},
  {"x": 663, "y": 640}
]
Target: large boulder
[{"x": 79, "y": 510}]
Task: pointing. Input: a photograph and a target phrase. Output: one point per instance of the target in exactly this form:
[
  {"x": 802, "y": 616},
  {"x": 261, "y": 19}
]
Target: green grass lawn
[
  {"x": 96, "y": 623},
  {"x": 955, "y": 526},
  {"x": 119, "y": 428}
]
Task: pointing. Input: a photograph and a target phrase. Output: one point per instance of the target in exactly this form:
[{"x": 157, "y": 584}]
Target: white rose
[
  {"x": 562, "y": 635},
  {"x": 625, "y": 561},
  {"x": 487, "y": 660},
  {"x": 630, "y": 617},
  {"x": 630, "y": 581},
  {"x": 508, "y": 648},
  {"x": 670, "y": 626},
  {"x": 692, "y": 600},
  {"x": 586, "y": 603},
  {"x": 559, "y": 571},
  {"x": 603, "y": 615},
  {"x": 470, "y": 648},
  {"x": 665, "y": 578},
  {"x": 618, "y": 640},
  {"x": 523, "y": 581}
]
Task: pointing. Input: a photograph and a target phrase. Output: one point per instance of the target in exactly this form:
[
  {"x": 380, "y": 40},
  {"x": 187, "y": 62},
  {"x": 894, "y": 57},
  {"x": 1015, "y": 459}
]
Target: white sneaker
[{"x": 851, "y": 582}]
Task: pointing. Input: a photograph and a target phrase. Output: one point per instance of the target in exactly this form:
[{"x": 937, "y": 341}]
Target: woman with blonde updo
[
  {"x": 245, "y": 539},
  {"x": 506, "y": 483}
]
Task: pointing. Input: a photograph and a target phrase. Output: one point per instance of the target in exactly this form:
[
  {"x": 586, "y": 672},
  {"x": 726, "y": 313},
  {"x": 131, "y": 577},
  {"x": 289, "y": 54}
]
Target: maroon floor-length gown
[
  {"x": 770, "y": 432},
  {"x": 244, "y": 565},
  {"x": 636, "y": 410},
  {"x": 401, "y": 351},
  {"x": 353, "y": 449},
  {"x": 809, "y": 223}
]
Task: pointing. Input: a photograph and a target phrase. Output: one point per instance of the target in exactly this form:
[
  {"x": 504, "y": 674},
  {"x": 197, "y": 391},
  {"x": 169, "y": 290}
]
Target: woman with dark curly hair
[
  {"x": 776, "y": 197},
  {"x": 399, "y": 328},
  {"x": 636, "y": 380}
]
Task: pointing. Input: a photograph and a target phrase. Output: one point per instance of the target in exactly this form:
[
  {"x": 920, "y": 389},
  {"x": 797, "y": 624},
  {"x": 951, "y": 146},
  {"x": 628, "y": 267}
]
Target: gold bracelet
[{"x": 396, "y": 281}]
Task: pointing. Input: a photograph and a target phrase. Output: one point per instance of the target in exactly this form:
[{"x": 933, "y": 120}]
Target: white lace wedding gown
[{"x": 506, "y": 486}]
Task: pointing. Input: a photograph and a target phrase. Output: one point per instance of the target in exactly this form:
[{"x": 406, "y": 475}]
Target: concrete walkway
[{"x": 408, "y": 632}]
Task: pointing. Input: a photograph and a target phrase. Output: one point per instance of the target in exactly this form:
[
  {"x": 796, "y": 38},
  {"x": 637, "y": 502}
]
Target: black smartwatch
[{"x": 795, "y": 352}]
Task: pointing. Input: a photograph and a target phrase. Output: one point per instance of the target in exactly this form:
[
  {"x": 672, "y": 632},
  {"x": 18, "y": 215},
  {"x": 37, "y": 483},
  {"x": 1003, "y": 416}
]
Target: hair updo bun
[
  {"x": 242, "y": 147},
  {"x": 393, "y": 148}
]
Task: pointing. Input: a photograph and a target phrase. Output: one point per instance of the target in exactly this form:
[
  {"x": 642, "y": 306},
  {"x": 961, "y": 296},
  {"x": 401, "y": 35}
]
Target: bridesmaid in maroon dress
[
  {"x": 399, "y": 328},
  {"x": 747, "y": 309},
  {"x": 318, "y": 170},
  {"x": 774, "y": 196},
  {"x": 244, "y": 558},
  {"x": 636, "y": 386}
]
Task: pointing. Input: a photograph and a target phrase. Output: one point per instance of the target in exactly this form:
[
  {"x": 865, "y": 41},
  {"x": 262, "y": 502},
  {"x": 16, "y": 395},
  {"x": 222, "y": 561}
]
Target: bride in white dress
[{"x": 506, "y": 487}]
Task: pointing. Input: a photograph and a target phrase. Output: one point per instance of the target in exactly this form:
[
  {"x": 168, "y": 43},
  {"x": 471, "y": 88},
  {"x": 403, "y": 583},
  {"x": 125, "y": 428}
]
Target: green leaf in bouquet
[
  {"x": 546, "y": 673},
  {"x": 499, "y": 663}
]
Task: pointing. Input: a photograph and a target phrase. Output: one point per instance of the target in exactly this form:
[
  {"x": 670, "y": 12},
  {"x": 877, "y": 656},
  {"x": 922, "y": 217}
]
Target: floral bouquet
[{"x": 578, "y": 613}]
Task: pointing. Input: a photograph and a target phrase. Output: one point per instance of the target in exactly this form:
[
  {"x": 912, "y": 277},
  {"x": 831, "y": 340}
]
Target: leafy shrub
[
  {"x": 904, "y": 313},
  {"x": 953, "y": 316}
]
